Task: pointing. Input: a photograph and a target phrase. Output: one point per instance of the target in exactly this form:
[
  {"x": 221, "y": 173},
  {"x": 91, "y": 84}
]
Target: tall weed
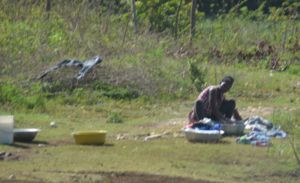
[{"x": 290, "y": 122}]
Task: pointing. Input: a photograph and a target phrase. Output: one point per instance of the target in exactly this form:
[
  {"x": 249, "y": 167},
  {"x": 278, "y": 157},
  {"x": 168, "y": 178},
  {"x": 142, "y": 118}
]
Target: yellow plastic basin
[{"x": 90, "y": 137}]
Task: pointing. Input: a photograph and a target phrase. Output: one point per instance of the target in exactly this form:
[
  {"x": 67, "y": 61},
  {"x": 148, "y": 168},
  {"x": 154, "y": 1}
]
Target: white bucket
[{"x": 6, "y": 129}]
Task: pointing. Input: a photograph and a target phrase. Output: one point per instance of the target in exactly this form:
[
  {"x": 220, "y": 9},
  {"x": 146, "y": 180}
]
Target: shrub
[
  {"x": 114, "y": 117},
  {"x": 29, "y": 98},
  {"x": 197, "y": 75},
  {"x": 115, "y": 92}
]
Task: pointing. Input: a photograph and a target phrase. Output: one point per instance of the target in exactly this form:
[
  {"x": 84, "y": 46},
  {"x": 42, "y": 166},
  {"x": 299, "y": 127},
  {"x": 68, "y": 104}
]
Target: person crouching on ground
[{"x": 212, "y": 104}]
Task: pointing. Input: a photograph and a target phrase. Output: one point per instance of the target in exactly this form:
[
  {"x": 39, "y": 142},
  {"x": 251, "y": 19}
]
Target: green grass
[
  {"x": 144, "y": 84},
  {"x": 226, "y": 161}
]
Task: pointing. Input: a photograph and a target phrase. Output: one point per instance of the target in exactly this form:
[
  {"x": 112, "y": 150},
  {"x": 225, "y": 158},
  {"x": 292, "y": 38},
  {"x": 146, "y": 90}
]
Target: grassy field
[
  {"x": 146, "y": 84},
  {"x": 54, "y": 157}
]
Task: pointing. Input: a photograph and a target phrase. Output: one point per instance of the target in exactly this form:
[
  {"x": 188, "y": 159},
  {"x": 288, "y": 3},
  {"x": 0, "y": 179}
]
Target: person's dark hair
[{"x": 228, "y": 79}]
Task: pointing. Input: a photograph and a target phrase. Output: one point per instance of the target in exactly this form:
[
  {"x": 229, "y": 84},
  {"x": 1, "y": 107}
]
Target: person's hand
[{"x": 228, "y": 121}]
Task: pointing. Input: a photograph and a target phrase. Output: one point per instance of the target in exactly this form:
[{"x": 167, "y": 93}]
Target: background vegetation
[{"x": 149, "y": 74}]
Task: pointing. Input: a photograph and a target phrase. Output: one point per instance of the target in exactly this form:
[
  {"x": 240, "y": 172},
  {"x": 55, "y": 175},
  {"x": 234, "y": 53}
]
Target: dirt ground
[
  {"x": 148, "y": 178},
  {"x": 125, "y": 177}
]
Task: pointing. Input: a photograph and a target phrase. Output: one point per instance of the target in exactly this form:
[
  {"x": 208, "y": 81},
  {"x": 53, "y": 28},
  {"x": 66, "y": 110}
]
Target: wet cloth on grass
[
  {"x": 258, "y": 122},
  {"x": 255, "y": 138},
  {"x": 261, "y": 132}
]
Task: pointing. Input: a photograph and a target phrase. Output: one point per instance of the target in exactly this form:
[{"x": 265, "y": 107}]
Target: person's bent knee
[
  {"x": 199, "y": 113},
  {"x": 231, "y": 103}
]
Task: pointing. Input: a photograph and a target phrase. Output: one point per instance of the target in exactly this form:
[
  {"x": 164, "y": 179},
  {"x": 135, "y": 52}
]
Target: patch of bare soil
[
  {"x": 121, "y": 177},
  {"x": 15, "y": 181},
  {"x": 167, "y": 129},
  {"x": 256, "y": 111},
  {"x": 148, "y": 178}
]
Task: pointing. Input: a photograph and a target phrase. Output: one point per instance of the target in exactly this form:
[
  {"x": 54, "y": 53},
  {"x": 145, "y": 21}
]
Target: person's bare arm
[
  {"x": 237, "y": 115},
  {"x": 214, "y": 108}
]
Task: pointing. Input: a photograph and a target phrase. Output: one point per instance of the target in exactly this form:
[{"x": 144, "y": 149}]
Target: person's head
[{"x": 226, "y": 83}]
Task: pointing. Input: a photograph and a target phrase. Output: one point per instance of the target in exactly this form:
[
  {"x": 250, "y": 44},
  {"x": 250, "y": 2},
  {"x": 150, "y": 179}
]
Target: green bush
[
  {"x": 161, "y": 14},
  {"x": 294, "y": 69},
  {"x": 114, "y": 117},
  {"x": 115, "y": 92},
  {"x": 197, "y": 75},
  {"x": 10, "y": 94},
  {"x": 29, "y": 98}
]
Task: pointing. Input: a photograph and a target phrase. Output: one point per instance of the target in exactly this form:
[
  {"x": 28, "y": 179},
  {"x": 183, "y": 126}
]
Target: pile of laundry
[
  {"x": 205, "y": 130},
  {"x": 261, "y": 132},
  {"x": 205, "y": 126}
]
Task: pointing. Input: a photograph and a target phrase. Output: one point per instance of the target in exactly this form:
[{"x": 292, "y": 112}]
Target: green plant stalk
[{"x": 292, "y": 143}]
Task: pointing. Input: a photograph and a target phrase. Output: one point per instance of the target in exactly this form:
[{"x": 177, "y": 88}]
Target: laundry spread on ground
[{"x": 261, "y": 132}]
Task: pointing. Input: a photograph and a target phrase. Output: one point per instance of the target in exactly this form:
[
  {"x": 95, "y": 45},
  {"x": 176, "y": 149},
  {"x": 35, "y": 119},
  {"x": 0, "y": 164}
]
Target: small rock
[
  {"x": 53, "y": 124},
  {"x": 153, "y": 137},
  {"x": 11, "y": 177},
  {"x": 41, "y": 145},
  {"x": 122, "y": 136},
  {"x": 4, "y": 155},
  {"x": 167, "y": 132},
  {"x": 8, "y": 154}
]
